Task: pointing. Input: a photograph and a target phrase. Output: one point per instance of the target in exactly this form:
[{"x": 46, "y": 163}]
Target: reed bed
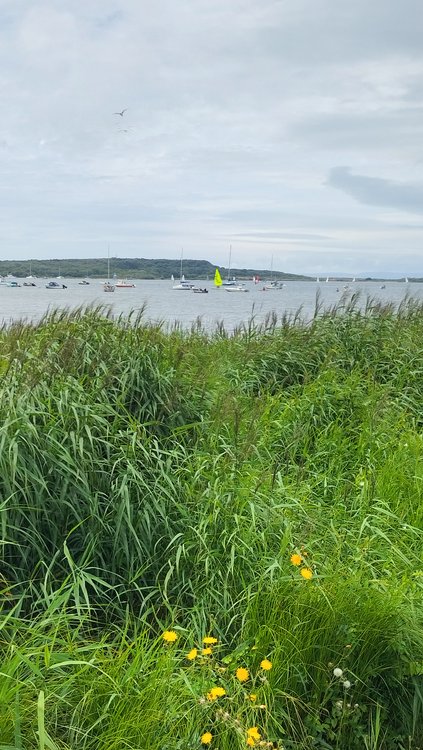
[{"x": 261, "y": 490}]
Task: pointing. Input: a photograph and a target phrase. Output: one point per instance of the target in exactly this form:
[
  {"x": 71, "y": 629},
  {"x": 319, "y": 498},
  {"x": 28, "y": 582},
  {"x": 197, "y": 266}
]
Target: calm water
[{"x": 164, "y": 303}]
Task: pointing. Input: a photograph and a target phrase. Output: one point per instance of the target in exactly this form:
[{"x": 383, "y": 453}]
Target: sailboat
[
  {"x": 229, "y": 281},
  {"x": 30, "y": 271},
  {"x": 272, "y": 284},
  {"x": 217, "y": 279},
  {"x": 183, "y": 285},
  {"x": 108, "y": 286}
]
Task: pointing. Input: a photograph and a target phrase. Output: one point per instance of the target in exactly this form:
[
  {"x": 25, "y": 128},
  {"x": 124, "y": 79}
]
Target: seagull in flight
[{"x": 121, "y": 113}]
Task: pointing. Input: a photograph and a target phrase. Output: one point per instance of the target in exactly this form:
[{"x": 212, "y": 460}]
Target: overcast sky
[{"x": 285, "y": 128}]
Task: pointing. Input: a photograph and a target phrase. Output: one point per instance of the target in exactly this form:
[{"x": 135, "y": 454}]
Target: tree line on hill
[{"x": 134, "y": 268}]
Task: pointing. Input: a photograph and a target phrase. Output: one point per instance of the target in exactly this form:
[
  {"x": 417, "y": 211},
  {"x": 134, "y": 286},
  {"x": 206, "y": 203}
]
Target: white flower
[
  {"x": 338, "y": 672},
  {"x": 346, "y": 684}
]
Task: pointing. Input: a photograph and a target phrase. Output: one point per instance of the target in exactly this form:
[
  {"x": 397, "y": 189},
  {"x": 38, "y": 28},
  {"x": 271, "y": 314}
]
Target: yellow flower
[
  {"x": 250, "y": 742},
  {"x": 306, "y": 573},
  {"x": 207, "y": 651},
  {"x": 192, "y": 654},
  {"x": 266, "y": 664},
  {"x": 253, "y": 697},
  {"x": 242, "y": 674},
  {"x": 254, "y": 733},
  {"x": 216, "y": 692},
  {"x": 206, "y": 738},
  {"x": 209, "y": 639},
  {"x": 169, "y": 636},
  {"x": 296, "y": 559}
]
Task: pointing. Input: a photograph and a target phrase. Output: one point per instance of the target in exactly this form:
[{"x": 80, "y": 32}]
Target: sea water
[{"x": 162, "y": 303}]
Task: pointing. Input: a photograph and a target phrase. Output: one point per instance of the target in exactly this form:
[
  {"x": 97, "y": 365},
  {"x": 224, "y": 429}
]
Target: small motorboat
[
  {"x": 108, "y": 287},
  {"x": 198, "y": 290},
  {"x": 13, "y": 283},
  {"x": 236, "y": 288},
  {"x": 55, "y": 285},
  {"x": 124, "y": 284},
  {"x": 84, "y": 283},
  {"x": 28, "y": 283}
]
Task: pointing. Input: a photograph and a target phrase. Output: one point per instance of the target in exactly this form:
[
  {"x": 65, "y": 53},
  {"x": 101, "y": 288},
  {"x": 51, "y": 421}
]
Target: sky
[{"x": 289, "y": 130}]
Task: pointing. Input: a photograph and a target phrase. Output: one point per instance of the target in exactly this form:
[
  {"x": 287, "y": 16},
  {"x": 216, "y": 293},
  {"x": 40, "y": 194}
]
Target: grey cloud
[
  {"x": 358, "y": 130},
  {"x": 374, "y": 191}
]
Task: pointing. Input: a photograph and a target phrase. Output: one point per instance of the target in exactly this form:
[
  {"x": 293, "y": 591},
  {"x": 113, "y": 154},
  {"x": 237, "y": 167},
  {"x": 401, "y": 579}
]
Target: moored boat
[
  {"x": 237, "y": 288},
  {"x": 55, "y": 285},
  {"x": 124, "y": 284},
  {"x": 182, "y": 285}
]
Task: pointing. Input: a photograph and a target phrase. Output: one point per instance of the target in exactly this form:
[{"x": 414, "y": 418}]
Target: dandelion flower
[
  {"x": 253, "y": 697},
  {"x": 306, "y": 573},
  {"x": 254, "y": 733},
  {"x": 209, "y": 640},
  {"x": 206, "y": 738},
  {"x": 192, "y": 654},
  {"x": 207, "y": 651},
  {"x": 169, "y": 636},
  {"x": 216, "y": 692},
  {"x": 250, "y": 742},
  {"x": 266, "y": 665},
  {"x": 337, "y": 672},
  {"x": 242, "y": 674},
  {"x": 296, "y": 559}
]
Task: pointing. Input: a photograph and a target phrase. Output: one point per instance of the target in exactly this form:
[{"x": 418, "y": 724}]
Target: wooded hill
[{"x": 134, "y": 268}]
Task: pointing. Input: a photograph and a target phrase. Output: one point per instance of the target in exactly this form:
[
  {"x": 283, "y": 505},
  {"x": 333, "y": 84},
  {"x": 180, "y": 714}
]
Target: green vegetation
[
  {"x": 264, "y": 489},
  {"x": 134, "y": 268}
]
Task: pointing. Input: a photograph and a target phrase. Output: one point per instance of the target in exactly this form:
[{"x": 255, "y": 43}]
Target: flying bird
[{"x": 121, "y": 113}]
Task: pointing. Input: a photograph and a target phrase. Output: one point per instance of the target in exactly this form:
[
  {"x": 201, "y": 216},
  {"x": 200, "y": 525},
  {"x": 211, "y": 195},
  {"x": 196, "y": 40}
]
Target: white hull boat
[{"x": 236, "y": 288}]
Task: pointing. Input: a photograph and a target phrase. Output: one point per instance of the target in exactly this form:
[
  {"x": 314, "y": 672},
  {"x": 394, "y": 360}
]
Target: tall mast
[{"x": 229, "y": 267}]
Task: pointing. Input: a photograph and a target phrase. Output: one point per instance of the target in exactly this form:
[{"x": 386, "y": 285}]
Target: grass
[{"x": 154, "y": 480}]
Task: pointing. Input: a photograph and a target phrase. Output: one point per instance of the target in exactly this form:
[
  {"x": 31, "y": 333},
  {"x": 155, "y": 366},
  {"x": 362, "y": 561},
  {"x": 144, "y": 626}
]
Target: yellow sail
[{"x": 217, "y": 278}]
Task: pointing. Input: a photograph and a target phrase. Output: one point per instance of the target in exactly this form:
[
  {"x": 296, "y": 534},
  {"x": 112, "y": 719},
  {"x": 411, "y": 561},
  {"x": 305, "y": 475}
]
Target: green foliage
[
  {"x": 134, "y": 268},
  {"x": 153, "y": 480}
]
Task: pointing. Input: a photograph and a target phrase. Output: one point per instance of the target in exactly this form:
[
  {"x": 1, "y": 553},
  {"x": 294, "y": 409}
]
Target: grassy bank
[{"x": 263, "y": 490}]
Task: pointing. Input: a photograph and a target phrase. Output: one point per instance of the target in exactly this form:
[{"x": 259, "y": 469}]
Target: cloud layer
[{"x": 240, "y": 115}]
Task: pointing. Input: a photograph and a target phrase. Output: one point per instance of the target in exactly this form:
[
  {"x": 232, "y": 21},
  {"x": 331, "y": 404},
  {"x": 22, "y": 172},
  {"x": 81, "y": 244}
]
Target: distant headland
[
  {"x": 161, "y": 268},
  {"x": 134, "y": 268}
]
